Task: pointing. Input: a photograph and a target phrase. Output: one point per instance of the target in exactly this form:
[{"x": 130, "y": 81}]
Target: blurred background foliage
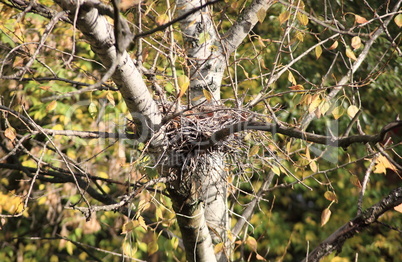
[{"x": 285, "y": 224}]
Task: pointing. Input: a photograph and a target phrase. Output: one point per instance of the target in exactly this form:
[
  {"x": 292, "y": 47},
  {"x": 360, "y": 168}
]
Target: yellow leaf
[
  {"x": 360, "y": 19},
  {"x": 398, "y": 20},
  {"x": 324, "y": 107},
  {"x": 218, "y": 247},
  {"x": 261, "y": 15},
  {"x": 315, "y": 102},
  {"x": 92, "y": 109},
  {"x": 283, "y": 17},
  {"x": 254, "y": 150},
  {"x": 207, "y": 95},
  {"x": 313, "y": 166},
  {"x": 303, "y": 19},
  {"x": 318, "y": 51},
  {"x": 162, "y": 19},
  {"x": 325, "y": 215},
  {"x": 356, "y": 42},
  {"x": 352, "y": 111},
  {"x": 382, "y": 163},
  {"x": 350, "y": 54},
  {"x": 276, "y": 170},
  {"x": 152, "y": 247},
  {"x": 10, "y": 133},
  {"x": 300, "y": 36},
  {"x": 51, "y": 106},
  {"x": 337, "y": 112},
  {"x": 252, "y": 243},
  {"x": 128, "y": 227},
  {"x": 70, "y": 248},
  {"x": 333, "y": 46},
  {"x": 291, "y": 78},
  {"x": 184, "y": 83},
  {"x": 142, "y": 223},
  {"x": 331, "y": 196}
]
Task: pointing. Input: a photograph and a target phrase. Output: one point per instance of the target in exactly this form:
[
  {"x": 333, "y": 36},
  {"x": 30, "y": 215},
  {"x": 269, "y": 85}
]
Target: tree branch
[
  {"x": 296, "y": 133},
  {"x": 335, "y": 241}
]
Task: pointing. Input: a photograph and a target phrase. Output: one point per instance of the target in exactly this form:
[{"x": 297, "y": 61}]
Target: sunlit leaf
[
  {"x": 70, "y": 248},
  {"x": 261, "y": 14},
  {"x": 350, "y": 54},
  {"x": 313, "y": 166},
  {"x": 259, "y": 257},
  {"x": 291, "y": 78},
  {"x": 218, "y": 247},
  {"x": 382, "y": 163},
  {"x": 184, "y": 83},
  {"x": 51, "y": 106},
  {"x": 360, "y": 19},
  {"x": 318, "y": 51},
  {"x": 337, "y": 112},
  {"x": 331, "y": 196},
  {"x": 283, "y": 17},
  {"x": 276, "y": 170},
  {"x": 356, "y": 42},
  {"x": 333, "y": 46},
  {"x": 398, "y": 20},
  {"x": 315, "y": 102},
  {"x": 325, "y": 215},
  {"x": 10, "y": 133},
  {"x": 352, "y": 111},
  {"x": 300, "y": 36}
]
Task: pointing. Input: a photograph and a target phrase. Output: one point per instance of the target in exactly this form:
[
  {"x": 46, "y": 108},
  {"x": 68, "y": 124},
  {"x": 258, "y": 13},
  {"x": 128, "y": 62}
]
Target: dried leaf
[
  {"x": 360, "y": 19},
  {"x": 291, "y": 78},
  {"x": 297, "y": 87},
  {"x": 283, "y": 17},
  {"x": 356, "y": 42},
  {"x": 51, "y": 106},
  {"x": 333, "y": 46},
  {"x": 398, "y": 20},
  {"x": 355, "y": 181},
  {"x": 331, "y": 196},
  {"x": 352, "y": 111},
  {"x": 184, "y": 83},
  {"x": 259, "y": 257},
  {"x": 318, "y": 51},
  {"x": 10, "y": 133},
  {"x": 325, "y": 215},
  {"x": 350, "y": 54},
  {"x": 261, "y": 14}
]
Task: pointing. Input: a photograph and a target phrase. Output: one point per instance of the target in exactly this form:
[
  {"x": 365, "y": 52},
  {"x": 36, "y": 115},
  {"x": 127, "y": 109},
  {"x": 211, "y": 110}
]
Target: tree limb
[{"x": 335, "y": 241}]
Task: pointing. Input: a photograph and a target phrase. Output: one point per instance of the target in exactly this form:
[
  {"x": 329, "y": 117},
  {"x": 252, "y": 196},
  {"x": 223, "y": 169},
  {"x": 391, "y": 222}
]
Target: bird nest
[{"x": 191, "y": 133}]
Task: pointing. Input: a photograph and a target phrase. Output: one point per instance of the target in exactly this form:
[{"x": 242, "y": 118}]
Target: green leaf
[
  {"x": 203, "y": 37},
  {"x": 92, "y": 109}
]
